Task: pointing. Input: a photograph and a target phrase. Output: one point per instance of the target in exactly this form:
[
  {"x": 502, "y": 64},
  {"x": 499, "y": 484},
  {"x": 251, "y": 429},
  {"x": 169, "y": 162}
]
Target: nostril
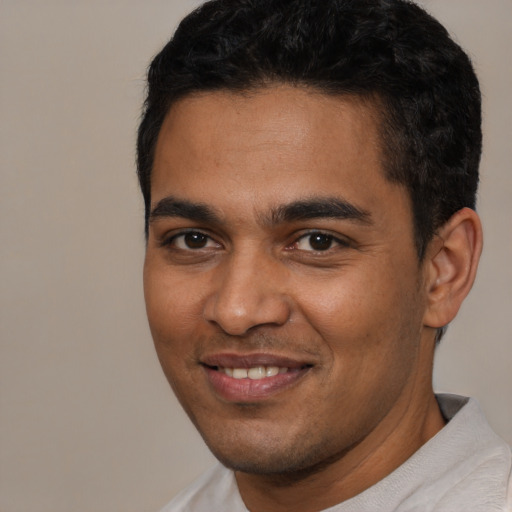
[{"x": 240, "y": 303}]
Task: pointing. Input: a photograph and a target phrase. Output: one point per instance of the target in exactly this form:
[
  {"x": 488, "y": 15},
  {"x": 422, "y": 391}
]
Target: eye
[
  {"x": 192, "y": 240},
  {"x": 318, "y": 242}
]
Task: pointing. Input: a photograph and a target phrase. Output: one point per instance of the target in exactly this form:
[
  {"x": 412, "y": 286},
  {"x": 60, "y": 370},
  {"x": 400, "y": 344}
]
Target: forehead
[{"x": 270, "y": 146}]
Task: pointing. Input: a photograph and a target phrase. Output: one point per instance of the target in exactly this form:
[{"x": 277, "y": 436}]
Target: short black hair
[{"x": 389, "y": 51}]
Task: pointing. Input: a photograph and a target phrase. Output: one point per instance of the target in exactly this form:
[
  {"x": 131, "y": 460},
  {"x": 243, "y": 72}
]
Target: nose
[{"x": 248, "y": 292}]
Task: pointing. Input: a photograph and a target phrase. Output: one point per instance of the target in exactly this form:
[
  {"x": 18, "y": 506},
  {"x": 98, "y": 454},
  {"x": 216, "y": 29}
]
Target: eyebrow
[
  {"x": 172, "y": 207},
  {"x": 316, "y": 208},
  {"x": 305, "y": 209}
]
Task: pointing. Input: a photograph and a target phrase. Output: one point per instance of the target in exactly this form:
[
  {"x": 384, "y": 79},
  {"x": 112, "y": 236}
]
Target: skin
[{"x": 354, "y": 307}]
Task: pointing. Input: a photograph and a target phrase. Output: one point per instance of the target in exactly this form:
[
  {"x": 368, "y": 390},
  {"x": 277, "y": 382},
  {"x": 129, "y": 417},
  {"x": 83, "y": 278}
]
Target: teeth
[
  {"x": 254, "y": 373},
  {"x": 271, "y": 371},
  {"x": 240, "y": 373}
]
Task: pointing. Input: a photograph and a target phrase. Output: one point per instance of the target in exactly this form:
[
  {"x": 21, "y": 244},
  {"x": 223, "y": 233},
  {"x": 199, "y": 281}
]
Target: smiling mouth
[
  {"x": 252, "y": 378},
  {"x": 256, "y": 372}
]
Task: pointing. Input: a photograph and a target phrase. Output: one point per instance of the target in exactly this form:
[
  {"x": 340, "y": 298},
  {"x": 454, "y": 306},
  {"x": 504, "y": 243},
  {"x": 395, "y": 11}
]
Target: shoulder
[
  {"x": 214, "y": 490},
  {"x": 470, "y": 465},
  {"x": 464, "y": 467}
]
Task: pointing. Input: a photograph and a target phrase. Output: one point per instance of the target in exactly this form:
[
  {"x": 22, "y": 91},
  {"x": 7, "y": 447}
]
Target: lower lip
[{"x": 252, "y": 390}]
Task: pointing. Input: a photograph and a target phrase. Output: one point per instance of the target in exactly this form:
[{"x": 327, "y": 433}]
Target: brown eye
[
  {"x": 193, "y": 240},
  {"x": 316, "y": 242},
  {"x": 320, "y": 242}
]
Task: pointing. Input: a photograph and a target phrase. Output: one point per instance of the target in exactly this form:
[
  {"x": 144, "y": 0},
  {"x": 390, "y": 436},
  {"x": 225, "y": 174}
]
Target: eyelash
[
  {"x": 171, "y": 241},
  {"x": 330, "y": 240}
]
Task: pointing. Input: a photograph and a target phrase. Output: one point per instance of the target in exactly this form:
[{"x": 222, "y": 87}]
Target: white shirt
[{"x": 465, "y": 467}]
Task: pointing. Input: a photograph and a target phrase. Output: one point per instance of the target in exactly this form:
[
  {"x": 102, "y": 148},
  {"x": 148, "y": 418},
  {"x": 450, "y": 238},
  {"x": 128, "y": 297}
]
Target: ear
[{"x": 451, "y": 263}]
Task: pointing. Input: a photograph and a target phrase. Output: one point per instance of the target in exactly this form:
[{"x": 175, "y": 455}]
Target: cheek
[
  {"x": 365, "y": 318},
  {"x": 170, "y": 321},
  {"x": 173, "y": 313},
  {"x": 342, "y": 307},
  {"x": 373, "y": 347},
  {"x": 173, "y": 302}
]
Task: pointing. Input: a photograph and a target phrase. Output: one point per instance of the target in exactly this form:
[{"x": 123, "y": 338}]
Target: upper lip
[{"x": 233, "y": 360}]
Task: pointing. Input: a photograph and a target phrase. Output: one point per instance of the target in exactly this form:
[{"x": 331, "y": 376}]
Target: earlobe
[{"x": 452, "y": 261}]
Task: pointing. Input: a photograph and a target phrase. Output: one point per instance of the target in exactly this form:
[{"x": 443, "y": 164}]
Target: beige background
[{"x": 88, "y": 423}]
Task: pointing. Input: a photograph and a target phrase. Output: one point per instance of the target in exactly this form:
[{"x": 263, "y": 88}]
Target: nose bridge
[{"x": 248, "y": 292}]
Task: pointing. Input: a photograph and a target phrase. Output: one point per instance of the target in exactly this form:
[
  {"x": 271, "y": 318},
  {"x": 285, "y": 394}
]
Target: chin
[{"x": 293, "y": 462}]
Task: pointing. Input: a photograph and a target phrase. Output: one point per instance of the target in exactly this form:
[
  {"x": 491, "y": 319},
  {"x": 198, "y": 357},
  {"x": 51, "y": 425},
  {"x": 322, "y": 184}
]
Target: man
[{"x": 309, "y": 171}]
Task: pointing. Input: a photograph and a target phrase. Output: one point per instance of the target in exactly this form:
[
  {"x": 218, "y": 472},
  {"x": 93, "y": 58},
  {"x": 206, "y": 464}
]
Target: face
[{"x": 283, "y": 290}]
